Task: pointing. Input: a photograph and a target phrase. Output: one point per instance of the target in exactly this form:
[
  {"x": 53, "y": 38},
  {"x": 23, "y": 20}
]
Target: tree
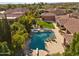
[
  {"x": 27, "y": 22},
  {"x": 73, "y": 50},
  {"x": 4, "y": 49},
  {"x": 5, "y": 32},
  {"x": 19, "y": 36}
]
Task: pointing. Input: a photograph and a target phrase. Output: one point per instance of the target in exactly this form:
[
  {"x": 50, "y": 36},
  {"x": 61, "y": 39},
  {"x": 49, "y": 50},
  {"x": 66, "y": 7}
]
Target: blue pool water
[{"x": 38, "y": 39}]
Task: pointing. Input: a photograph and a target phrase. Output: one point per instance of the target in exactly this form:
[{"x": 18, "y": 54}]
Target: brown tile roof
[
  {"x": 10, "y": 16},
  {"x": 47, "y": 14},
  {"x": 72, "y": 25},
  {"x": 75, "y": 15},
  {"x": 18, "y": 10},
  {"x": 3, "y": 9},
  {"x": 48, "y": 17},
  {"x": 14, "y": 13},
  {"x": 56, "y": 11},
  {"x": 62, "y": 19},
  {"x": 50, "y": 9}
]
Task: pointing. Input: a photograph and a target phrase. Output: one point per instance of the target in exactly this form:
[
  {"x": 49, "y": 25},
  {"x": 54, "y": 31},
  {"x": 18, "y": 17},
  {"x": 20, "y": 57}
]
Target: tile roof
[
  {"x": 62, "y": 19},
  {"x": 14, "y": 13},
  {"x": 71, "y": 24},
  {"x": 75, "y": 15},
  {"x": 47, "y": 14},
  {"x": 48, "y": 17},
  {"x": 11, "y": 11},
  {"x": 11, "y": 16},
  {"x": 56, "y": 11}
]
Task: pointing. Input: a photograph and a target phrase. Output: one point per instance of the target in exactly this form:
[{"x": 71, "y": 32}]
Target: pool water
[{"x": 38, "y": 39}]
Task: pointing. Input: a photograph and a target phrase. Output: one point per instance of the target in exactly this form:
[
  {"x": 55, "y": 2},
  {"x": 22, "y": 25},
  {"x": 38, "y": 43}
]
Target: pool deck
[
  {"x": 54, "y": 47},
  {"x": 51, "y": 46}
]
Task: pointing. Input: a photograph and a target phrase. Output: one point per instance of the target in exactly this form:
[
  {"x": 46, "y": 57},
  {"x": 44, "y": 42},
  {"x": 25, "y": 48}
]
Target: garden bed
[{"x": 45, "y": 24}]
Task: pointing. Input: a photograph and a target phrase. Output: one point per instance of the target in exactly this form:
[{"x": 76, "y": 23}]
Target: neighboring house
[
  {"x": 17, "y": 10},
  {"x": 13, "y": 14},
  {"x": 48, "y": 17},
  {"x": 1, "y": 12},
  {"x": 49, "y": 14},
  {"x": 56, "y": 11},
  {"x": 75, "y": 15},
  {"x": 11, "y": 17},
  {"x": 71, "y": 25}
]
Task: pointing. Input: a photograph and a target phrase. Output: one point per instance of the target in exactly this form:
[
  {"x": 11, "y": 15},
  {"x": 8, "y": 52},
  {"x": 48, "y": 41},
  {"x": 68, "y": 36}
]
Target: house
[
  {"x": 13, "y": 14},
  {"x": 49, "y": 14},
  {"x": 75, "y": 15},
  {"x": 48, "y": 17},
  {"x": 2, "y": 10},
  {"x": 56, "y": 11},
  {"x": 17, "y": 11},
  {"x": 70, "y": 24}
]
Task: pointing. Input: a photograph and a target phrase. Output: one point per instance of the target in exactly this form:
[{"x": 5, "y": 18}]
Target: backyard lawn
[{"x": 45, "y": 24}]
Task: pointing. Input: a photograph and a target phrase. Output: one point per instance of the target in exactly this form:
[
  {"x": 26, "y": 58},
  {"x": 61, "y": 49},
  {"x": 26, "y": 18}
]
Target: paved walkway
[
  {"x": 41, "y": 53},
  {"x": 54, "y": 47}
]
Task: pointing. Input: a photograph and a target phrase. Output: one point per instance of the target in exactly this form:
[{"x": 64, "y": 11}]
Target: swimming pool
[{"x": 38, "y": 39}]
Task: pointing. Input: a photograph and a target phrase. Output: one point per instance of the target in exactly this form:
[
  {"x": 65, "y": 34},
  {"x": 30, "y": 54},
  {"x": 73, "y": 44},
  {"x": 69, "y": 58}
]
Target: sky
[{"x": 36, "y": 1}]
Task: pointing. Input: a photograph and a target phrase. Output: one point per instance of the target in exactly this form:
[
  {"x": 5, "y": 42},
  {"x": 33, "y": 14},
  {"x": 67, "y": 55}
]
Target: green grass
[{"x": 45, "y": 24}]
